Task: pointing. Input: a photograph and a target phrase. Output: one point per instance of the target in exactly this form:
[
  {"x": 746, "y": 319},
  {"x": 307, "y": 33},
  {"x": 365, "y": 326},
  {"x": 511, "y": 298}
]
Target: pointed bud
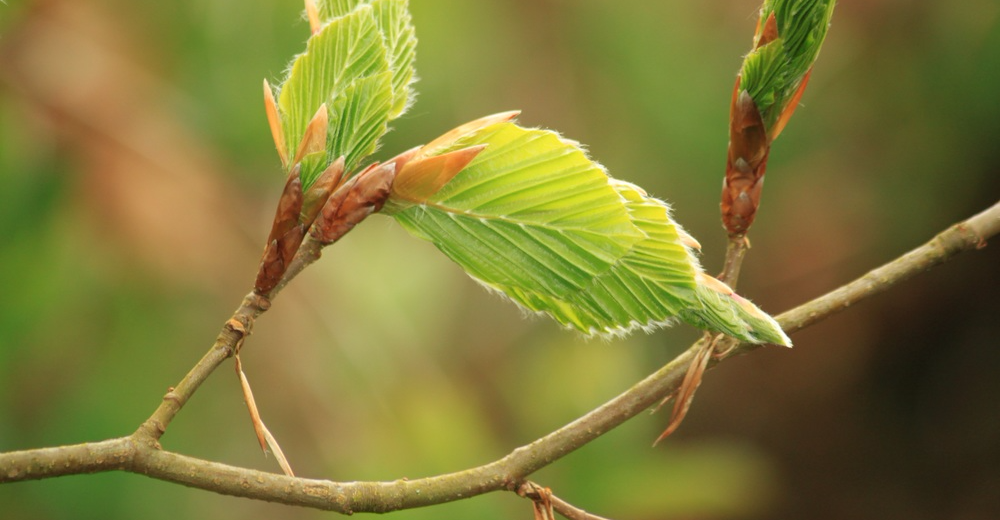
[
  {"x": 748, "y": 143},
  {"x": 314, "y": 138},
  {"x": 353, "y": 201},
  {"x": 274, "y": 121},
  {"x": 317, "y": 194},
  {"x": 762, "y": 326},
  {"x": 289, "y": 205},
  {"x": 422, "y": 178},
  {"x": 787, "y": 41},
  {"x": 285, "y": 237},
  {"x": 770, "y": 84},
  {"x": 745, "y": 164}
]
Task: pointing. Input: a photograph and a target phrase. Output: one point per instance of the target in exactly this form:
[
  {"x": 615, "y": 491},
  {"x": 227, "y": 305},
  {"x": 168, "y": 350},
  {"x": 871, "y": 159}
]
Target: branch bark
[{"x": 140, "y": 452}]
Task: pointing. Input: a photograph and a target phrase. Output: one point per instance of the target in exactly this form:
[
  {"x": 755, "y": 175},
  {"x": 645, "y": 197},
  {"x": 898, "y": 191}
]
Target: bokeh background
[{"x": 137, "y": 183}]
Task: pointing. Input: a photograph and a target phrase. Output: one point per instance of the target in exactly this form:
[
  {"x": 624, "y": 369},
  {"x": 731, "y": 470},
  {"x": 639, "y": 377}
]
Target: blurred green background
[{"x": 137, "y": 183}]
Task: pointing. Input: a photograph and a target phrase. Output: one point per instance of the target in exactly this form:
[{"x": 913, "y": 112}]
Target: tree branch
[
  {"x": 133, "y": 455},
  {"x": 970, "y": 234},
  {"x": 90, "y": 457},
  {"x": 736, "y": 251},
  {"x": 235, "y": 330}
]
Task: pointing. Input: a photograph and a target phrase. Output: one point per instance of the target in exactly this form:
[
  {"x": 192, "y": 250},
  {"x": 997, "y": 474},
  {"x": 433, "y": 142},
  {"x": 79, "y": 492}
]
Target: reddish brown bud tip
[
  {"x": 353, "y": 201},
  {"x": 422, "y": 178},
  {"x": 745, "y": 164},
  {"x": 314, "y": 199},
  {"x": 747, "y": 135},
  {"x": 400, "y": 160},
  {"x": 314, "y": 138},
  {"x": 285, "y": 237},
  {"x": 372, "y": 189},
  {"x": 274, "y": 121},
  {"x": 289, "y": 206}
]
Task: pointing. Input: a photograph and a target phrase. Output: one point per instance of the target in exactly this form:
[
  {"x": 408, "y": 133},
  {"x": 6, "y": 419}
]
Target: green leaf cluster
[
  {"x": 773, "y": 72},
  {"x": 531, "y": 216},
  {"x": 360, "y": 64},
  {"x": 535, "y": 219}
]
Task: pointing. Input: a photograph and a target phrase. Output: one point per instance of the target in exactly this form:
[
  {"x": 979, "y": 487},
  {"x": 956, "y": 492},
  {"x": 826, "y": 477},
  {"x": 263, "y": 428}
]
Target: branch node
[
  {"x": 260, "y": 302},
  {"x": 172, "y": 396},
  {"x": 236, "y": 326},
  {"x": 541, "y": 499}
]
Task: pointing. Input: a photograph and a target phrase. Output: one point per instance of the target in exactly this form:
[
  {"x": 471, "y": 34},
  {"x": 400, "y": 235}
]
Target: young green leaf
[
  {"x": 361, "y": 116},
  {"x": 787, "y": 43},
  {"x": 344, "y": 51},
  {"x": 394, "y": 21},
  {"x": 359, "y": 63},
  {"x": 330, "y": 9},
  {"x": 533, "y": 218}
]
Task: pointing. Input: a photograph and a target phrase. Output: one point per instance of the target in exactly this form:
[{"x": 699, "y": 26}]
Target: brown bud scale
[
  {"x": 745, "y": 163},
  {"x": 357, "y": 198},
  {"x": 285, "y": 237}
]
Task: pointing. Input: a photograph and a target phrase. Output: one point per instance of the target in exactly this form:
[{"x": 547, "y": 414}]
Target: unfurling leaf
[
  {"x": 358, "y": 69},
  {"x": 787, "y": 41},
  {"x": 768, "y": 89},
  {"x": 532, "y": 217}
]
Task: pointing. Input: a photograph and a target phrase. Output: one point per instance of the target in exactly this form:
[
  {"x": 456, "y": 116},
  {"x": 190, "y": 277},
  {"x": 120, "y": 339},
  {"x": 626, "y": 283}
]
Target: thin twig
[
  {"x": 736, "y": 251},
  {"x": 347, "y": 497},
  {"x": 235, "y": 330},
  {"x": 310, "y": 251},
  {"x": 964, "y": 236}
]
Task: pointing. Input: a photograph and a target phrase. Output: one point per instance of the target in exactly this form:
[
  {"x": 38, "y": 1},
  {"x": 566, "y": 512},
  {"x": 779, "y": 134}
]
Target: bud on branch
[{"x": 768, "y": 89}]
